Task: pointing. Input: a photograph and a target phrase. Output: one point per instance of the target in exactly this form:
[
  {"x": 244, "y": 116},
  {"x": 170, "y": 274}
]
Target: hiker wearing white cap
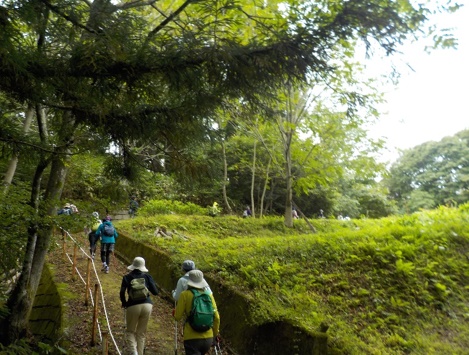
[
  {"x": 196, "y": 342},
  {"x": 181, "y": 285},
  {"x": 138, "y": 284}
]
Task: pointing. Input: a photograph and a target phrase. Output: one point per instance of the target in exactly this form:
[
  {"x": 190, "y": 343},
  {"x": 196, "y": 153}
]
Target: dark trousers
[
  {"x": 197, "y": 346},
  {"x": 106, "y": 250},
  {"x": 92, "y": 239}
]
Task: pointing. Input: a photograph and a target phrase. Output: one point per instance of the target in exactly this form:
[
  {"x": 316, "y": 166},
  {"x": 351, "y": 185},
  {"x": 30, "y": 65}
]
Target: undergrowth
[{"x": 397, "y": 285}]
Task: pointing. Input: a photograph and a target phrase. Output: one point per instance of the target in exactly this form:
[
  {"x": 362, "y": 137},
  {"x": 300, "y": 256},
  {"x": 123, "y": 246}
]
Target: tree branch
[
  {"x": 56, "y": 10},
  {"x": 137, "y": 3},
  {"x": 167, "y": 20}
]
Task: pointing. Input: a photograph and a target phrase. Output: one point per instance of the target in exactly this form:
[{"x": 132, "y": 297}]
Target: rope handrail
[{"x": 65, "y": 232}]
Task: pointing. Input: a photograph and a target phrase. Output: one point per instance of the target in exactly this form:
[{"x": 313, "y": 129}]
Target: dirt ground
[{"x": 161, "y": 334}]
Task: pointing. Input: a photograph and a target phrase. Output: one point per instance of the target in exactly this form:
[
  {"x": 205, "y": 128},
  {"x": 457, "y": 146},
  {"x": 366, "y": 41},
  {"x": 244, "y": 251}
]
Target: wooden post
[
  {"x": 105, "y": 343},
  {"x": 63, "y": 243},
  {"x": 87, "y": 288},
  {"x": 95, "y": 316},
  {"x": 74, "y": 265}
]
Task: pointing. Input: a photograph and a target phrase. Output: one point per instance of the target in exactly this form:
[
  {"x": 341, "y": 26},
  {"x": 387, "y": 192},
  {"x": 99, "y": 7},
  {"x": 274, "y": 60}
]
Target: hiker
[
  {"x": 108, "y": 234},
  {"x": 294, "y": 213},
  {"x": 181, "y": 285},
  {"x": 138, "y": 306},
  {"x": 133, "y": 207},
  {"x": 74, "y": 208},
  {"x": 92, "y": 234},
  {"x": 196, "y": 342},
  {"x": 66, "y": 210},
  {"x": 247, "y": 212}
]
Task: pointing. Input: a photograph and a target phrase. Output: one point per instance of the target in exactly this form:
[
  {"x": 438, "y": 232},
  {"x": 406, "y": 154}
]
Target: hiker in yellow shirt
[{"x": 196, "y": 342}]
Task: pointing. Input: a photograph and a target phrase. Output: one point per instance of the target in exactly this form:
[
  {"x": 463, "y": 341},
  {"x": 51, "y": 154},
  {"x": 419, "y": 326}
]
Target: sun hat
[
  {"x": 139, "y": 264},
  {"x": 188, "y": 265},
  {"x": 67, "y": 205},
  {"x": 196, "y": 279},
  {"x": 95, "y": 214}
]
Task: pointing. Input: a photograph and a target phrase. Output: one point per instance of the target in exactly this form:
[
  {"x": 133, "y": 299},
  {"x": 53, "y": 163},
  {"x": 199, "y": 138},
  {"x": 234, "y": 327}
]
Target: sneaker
[
  {"x": 104, "y": 267},
  {"x": 107, "y": 270}
]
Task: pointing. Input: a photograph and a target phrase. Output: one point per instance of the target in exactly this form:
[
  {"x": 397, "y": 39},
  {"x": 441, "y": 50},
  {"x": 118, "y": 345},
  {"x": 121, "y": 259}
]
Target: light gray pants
[{"x": 137, "y": 320}]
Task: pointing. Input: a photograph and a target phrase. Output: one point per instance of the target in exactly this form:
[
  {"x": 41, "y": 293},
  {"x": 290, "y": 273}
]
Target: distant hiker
[
  {"x": 181, "y": 285},
  {"x": 294, "y": 213},
  {"x": 138, "y": 306},
  {"x": 92, "y": 234},
  {"x": 247, "y": 212},
  {"x": 74, "y": 208},
  {"x": 197, "y": 342},
  {"x": 108, "y": 234},
  {"x": 66, "y": 210},
  {"x": 133, "y": 207}
]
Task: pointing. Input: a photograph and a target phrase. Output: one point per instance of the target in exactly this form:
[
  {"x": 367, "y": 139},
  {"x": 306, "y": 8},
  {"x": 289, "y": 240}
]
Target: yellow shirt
[{"x": 183, "y": 309}]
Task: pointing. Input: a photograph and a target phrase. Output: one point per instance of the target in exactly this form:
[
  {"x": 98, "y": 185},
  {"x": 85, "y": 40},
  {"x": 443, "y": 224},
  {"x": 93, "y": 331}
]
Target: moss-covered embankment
[{"x": 238, "y": 326}]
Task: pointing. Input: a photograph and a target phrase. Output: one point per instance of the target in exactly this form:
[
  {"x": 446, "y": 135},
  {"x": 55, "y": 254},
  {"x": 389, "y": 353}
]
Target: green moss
[{"x": 384, "y": 276}]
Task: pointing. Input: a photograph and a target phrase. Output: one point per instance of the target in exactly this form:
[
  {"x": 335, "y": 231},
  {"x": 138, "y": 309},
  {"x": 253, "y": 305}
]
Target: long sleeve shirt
[
  {"x": 105, "y": 238},
  {"x": 125, "y": 285},
  {"x": 182, "y": 286},
  {"x": 183, "y": 309}
]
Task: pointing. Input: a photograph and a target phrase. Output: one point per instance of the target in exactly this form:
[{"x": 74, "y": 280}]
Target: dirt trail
[{"x": 161, "y": 327}]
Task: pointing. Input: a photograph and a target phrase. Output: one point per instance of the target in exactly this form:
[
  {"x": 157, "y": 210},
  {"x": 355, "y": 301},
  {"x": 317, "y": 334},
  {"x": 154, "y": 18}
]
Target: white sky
[{"x": 431, "y": 102}]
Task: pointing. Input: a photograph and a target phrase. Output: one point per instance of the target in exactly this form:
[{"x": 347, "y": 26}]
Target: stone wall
[{"x": 46, "y": 319}]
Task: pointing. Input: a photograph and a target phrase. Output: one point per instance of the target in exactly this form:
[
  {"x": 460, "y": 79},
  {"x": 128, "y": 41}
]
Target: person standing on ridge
[
  {"x": 138, "y": 306},
  {"x": 133, "y": 206},
  {"x": 108, "y": 234}
]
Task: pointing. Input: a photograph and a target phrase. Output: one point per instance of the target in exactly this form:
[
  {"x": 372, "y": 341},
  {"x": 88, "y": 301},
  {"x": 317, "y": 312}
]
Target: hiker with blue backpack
[
  {"x": 108, "y": 234},
  {"x": 202, "y": 321}
]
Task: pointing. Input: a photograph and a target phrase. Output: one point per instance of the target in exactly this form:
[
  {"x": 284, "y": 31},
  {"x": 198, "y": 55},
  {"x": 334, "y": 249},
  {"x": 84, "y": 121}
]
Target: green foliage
[
  {"x": 15, "y": 218},
  {"x": 20, "y": 347},
  {"x": 377, "y": 282},
  {"x": 155, "y": 207},
  {"x": 431, "y": 174}
]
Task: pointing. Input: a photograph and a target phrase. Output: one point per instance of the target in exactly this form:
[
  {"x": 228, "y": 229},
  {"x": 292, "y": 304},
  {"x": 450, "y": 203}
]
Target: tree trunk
[
  {"x": 14, "y": 159},
  {"x": 264, "y": 190},
  {"x": 289, "y": 180},
  {"x": 21, "y": 299},
  {"x": 225, "y": 176},
  {"x": 253, "y": 179}
]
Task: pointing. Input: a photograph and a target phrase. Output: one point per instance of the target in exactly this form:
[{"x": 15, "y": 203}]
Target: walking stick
[{"x": 175, "y": 334}]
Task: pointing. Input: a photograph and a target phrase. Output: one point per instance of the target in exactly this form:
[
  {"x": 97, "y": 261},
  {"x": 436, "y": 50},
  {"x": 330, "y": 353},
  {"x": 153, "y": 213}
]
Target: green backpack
[
  {"x": 202, "y": 312},
  {"x": 138, "y": 291}
]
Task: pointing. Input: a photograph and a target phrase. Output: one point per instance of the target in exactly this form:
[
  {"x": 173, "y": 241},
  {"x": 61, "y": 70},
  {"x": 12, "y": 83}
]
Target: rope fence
[{"x": 89, "y": 295}]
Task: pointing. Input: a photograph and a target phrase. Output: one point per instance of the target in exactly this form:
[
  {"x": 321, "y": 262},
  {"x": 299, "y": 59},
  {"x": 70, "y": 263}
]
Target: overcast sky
[{"x": 432, "y": 101}]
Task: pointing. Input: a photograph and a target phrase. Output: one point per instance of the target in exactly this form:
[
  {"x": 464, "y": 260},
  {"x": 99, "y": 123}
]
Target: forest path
[{"x": 161, "y": 327}]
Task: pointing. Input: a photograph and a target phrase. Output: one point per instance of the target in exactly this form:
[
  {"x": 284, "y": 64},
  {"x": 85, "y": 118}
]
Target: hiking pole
[
  {"x": 175, "y": 334},
  {"x": 217, "y": 346}
]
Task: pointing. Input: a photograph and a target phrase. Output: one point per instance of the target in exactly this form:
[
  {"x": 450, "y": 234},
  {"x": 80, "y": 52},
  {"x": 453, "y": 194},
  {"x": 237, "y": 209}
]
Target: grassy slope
[{"x": 392, "y": 286}]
